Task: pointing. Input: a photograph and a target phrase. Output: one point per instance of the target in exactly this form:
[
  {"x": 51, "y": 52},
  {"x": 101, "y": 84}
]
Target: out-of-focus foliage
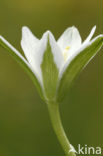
[{"x": 25, "y": 128}]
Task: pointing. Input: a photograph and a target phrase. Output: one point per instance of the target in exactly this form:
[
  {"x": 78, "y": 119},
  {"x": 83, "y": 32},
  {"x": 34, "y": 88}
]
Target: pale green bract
[{"x": 54, "y": 65}]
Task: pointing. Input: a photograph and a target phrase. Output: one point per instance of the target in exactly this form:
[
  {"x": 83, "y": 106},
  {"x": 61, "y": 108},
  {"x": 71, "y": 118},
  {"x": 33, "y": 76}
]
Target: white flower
[
  {"x": 55, "y": 64},
  {"x": 66, "y": 47},
  {"x": 34, "y": 50}
]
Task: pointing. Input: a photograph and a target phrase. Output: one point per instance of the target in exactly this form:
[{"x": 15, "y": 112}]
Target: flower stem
[{"x": 58, "y": 128}]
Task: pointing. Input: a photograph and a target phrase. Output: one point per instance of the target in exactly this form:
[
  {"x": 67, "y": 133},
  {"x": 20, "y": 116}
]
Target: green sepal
[
  {"x": 49, "y": 73},
  {"x": 22, "y": 64},
  {"x": 76, "y": 66}
]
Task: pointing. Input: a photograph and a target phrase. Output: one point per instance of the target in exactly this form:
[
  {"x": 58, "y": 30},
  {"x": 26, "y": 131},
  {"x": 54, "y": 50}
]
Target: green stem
[{"x": 58, "y": 128}]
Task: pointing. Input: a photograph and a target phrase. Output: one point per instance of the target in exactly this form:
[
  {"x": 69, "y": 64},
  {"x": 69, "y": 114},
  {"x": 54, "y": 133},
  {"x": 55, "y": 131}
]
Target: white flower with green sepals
[{"x": 54, "y": 65}]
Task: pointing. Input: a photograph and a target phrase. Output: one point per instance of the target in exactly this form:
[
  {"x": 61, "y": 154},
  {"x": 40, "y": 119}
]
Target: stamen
[
  {"x": 67, "y": 48},
  {"x": 65, "y": 53}
]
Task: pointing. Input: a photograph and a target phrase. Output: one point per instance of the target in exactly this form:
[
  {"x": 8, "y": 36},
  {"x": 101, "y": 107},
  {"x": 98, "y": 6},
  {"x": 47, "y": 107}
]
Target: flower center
[{"x": 65, "y": 53}]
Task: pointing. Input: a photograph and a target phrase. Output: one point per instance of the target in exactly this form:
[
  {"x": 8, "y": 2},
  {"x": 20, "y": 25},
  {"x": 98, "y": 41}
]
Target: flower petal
[
  {"x": 58, "y": 56},
  {"x": 71, "y": 38},
  {"x": 71, "y": 55},
  {"x": 72, "y": 69},
  {"x": 33, "y": 49},
  {"x": 90, "y": 35},
  {"x": 28, "y": 43}
]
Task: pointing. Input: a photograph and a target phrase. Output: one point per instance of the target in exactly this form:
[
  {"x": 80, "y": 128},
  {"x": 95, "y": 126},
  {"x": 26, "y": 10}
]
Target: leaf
[
  {"x": 22, "y": 61},
  {"x": 50, "y": 73},
  {"x": 76, "y": 66}
]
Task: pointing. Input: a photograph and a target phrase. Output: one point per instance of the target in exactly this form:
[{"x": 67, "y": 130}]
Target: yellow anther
[
  {"x": 65, "y": 53},
  {"x": 67, "y": 48}
]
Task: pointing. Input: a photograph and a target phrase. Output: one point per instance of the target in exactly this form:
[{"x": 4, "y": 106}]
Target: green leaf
[
  {"x": 50, "y": 73},
  {"x": 20, "y": 59},
  {"x": 76, "y": 66}
]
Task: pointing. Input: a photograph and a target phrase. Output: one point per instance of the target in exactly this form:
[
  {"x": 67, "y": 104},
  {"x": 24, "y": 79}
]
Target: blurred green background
[{"x": 25, "y": 128}]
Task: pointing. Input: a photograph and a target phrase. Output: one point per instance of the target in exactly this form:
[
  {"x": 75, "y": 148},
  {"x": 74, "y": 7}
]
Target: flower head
[{"x": 53, "y": 65}]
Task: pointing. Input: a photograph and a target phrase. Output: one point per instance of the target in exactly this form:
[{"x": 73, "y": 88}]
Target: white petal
[
  {"x": 71, "y": 57},
  {"x": 101, "y": 35},
  {"x": 77, "y": 52},
  {"x": 33, "y": 49},
  {"x": 27, "y": 33},
  {"x": 90, "y": 35},
  {"x": 73, "y": 52},
  {"x": 28, "y": 43},
  {"x": 57, "y": 53},
  {"x": 71, "y": 38}
]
